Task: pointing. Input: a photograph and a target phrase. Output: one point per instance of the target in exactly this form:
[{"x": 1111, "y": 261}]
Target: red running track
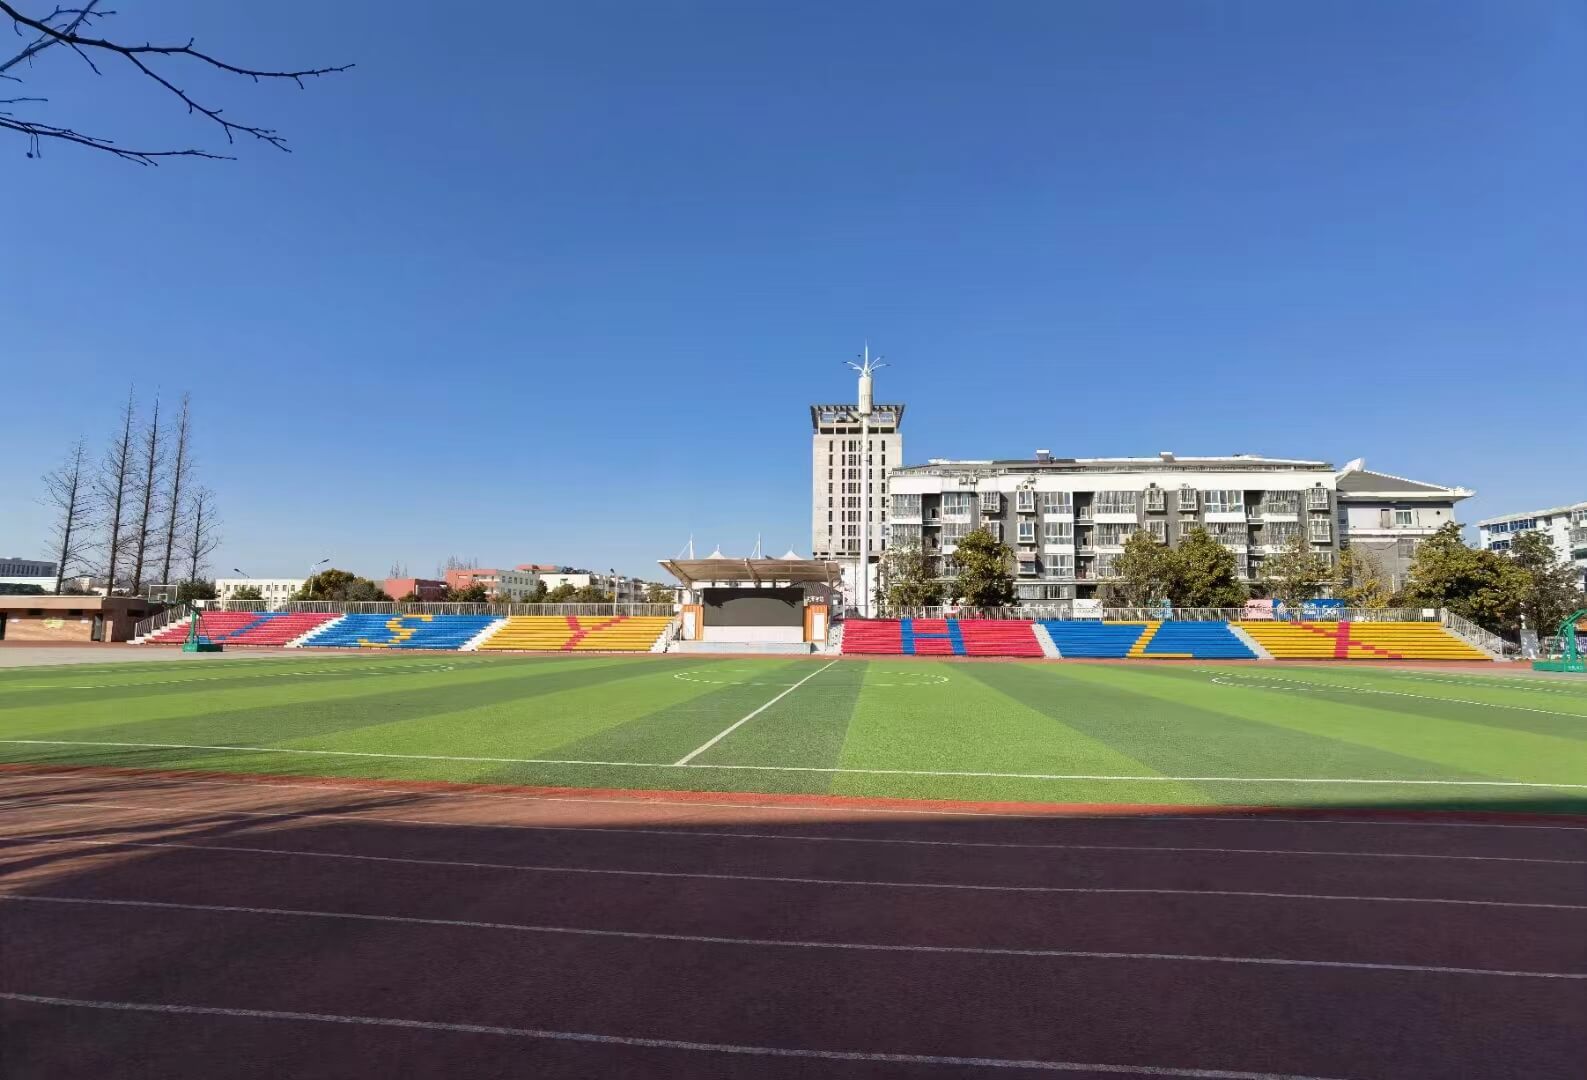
[{"x": 177, "y": 926}]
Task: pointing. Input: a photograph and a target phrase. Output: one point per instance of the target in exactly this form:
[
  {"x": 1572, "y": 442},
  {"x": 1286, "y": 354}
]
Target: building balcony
[{"x": 1119, "y": 517}]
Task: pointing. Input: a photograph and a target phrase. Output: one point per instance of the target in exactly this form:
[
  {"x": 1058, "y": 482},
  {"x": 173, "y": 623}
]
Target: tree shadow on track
[{"x": 813, "y": 937}]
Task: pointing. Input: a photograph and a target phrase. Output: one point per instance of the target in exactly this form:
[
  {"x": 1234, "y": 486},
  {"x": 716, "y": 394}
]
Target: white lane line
[
  {"x": 865, "y": 1056},
  {"x": 1236, "y": 816},
  {"x": 690, "y": 833},
  {"x": 36, "y": 840},
  {"x": 784, "y": 943},
  {"x": 724, "y": 733},
  {"x": 808, "y": 768}
]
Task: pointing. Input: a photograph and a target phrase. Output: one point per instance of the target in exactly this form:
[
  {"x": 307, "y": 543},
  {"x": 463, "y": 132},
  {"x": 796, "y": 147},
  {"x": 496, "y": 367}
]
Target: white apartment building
[
  {"x": 273, "y": 590},
  {"x": 1565, "y": 526},
  {"x": 1385, "y": 517},
  {"x": 1067, "y": 518},
  {"x": 853, "y": 452},
  {"x": 15, "y": 566}
]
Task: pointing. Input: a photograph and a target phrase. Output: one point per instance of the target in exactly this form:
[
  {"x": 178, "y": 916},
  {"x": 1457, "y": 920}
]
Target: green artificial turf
[{"x": 1163, "y": 733}]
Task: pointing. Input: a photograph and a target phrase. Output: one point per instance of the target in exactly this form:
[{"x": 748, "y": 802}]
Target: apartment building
[
  {"x": 501, "y": 584},
  {"x": 272, "y": 590},
  {"x": 15, "y": 566},
  {"x": 1565, "y": 527},
  {"x": 1386, "y": 517}
]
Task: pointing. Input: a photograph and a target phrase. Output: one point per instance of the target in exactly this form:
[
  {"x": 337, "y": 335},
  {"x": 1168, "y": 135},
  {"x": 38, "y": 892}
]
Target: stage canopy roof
[{"x": 732, "y": 570}]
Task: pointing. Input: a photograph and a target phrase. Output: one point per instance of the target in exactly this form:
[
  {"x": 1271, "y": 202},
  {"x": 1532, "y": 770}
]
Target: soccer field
[{"x": 1180, "y": 734}]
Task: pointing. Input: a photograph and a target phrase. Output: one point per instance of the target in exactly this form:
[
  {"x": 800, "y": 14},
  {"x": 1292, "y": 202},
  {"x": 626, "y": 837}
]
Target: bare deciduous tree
[
  {"x": 181, "y": 469},
  {"x": 75, "y": 28},
  {"x": 151, "y": 455},
  {"x": 68, "y": 491},
  {"x": 113, "y": 486},
  {"x": 202, "y": 538}
]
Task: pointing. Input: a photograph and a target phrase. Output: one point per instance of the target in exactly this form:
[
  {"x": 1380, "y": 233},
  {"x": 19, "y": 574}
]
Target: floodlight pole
[{"x": 867, "y": 369}]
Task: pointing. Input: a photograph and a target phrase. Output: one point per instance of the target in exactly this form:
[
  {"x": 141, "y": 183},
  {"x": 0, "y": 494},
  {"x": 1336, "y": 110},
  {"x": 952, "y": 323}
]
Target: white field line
[
  {"x": 725, "y": 732},
  {"x": 357, "y": 820},
  {"x": 777, "y": 879},
  {"x": 865, "y": 1056},
  {"x": 786, "y": 943},
  {"x": 808, "y": 768},
  {"x": 159, "y": 783},
  {"x": 1215, "y": 817},
  {"x": 1266, "y": 682}
]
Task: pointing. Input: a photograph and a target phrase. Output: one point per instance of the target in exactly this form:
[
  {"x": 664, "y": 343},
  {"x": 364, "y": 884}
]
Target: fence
[
  {"x": 347, "y": 607},
  {"x": 1066, "y": 610},
  {"x": 1486, "y": 640}
]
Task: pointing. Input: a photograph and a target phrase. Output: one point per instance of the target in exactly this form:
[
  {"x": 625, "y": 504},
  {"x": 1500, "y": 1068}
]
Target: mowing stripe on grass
[
  {"x": 788, "y": 943},
  {"x": 815, "y": 768},
  {"x": 659, "y": 1044},
  {"x": 1236, "y": 816},
  {"x": 697, "y": 751},
  {"x": 537, "y": 868}
]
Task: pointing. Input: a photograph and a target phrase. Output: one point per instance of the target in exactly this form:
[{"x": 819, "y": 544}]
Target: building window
[
  {"x": 1057, "y": 502},
  {"x": 1317, "y": 498},
  {"x": 1158, "y": 529},
  {"x": 1281, "y": 502},
  {"x": 906, "y": 506},
  {"x": 1058, "y": 532},
  {"x": 1154, "y": 498},
  {"x": 1060, "y": 566},
  {"x": 956, "y": 505},
  {"x": 1407, "y": 549},
  {"x": 1114, "y": 502},
  {"x": 991, "y": 502},
  {"x": 1321, "y": 531},
  {"x": 1025, "y": 501},
  {"x": 1027, "y": 532},
  {"x": 1188, "y": 498},
  {"x": 995, "y": 528},
  {"x": 1404, "y": 517},
  {"x": 1225, "y": 501}
]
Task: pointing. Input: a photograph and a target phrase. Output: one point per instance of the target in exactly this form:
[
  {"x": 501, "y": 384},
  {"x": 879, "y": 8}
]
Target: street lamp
[{"x": 312, "y": 568}]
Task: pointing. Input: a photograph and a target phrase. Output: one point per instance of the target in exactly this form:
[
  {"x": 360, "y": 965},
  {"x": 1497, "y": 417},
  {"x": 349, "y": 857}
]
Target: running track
[{"x": 198, "y": 927}]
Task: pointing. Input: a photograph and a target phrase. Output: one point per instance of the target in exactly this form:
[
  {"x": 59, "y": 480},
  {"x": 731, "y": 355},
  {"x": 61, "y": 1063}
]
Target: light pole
[
  {"x": 312, "y": 568},
  {"x": 867, "y": 368}
]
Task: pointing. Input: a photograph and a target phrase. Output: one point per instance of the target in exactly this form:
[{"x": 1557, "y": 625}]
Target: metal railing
[
  {"x": 1065, "y": 609},
  {"x": 1486, "y": 640},
  {"x": 160, "y": 620}
]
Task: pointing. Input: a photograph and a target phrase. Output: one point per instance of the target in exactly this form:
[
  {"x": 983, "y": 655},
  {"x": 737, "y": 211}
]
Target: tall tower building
[{"x": 854, "y": 448}]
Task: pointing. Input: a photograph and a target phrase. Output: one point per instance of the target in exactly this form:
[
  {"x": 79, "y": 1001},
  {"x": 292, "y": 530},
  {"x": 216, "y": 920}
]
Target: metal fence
[
  {"x": 1065, "y": 609},
  {"x": 1486, "y": 640},
  {"x": 160, "y": 620}
]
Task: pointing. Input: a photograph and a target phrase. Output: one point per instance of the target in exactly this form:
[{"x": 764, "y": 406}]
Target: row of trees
[
  {"x": 136, "y": 516},
  {"x": 343, "y": 585},
  {"x": 1500, "y": 592}
]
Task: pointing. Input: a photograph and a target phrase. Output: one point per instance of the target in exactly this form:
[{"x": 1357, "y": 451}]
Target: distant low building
[
  {"x": 14, "y": 566},
  {"x": 1565, "y": 527},
  {"x": 426, "y": 590},
  {"x": 272, "y": 590},
  {"x": 501, "y": 584}
]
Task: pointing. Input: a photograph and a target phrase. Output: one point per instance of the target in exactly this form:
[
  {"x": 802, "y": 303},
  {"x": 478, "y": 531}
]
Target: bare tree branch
[
  {"x": 67, "y": 492},
  {"x": 52, "y": 30}
]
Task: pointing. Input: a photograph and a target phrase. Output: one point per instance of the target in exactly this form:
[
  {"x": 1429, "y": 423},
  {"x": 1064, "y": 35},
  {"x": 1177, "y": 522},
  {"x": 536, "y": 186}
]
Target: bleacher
[
  {"x": 1093, "y": 638},
  {"x": 1360, "y": 641},
  {"x": 578, "y": 633},
  {"x": 1185, "y": 639},
  {"x": 263, "y": 628},
  {"x": 401, "y": 632},
  {"x": 940, "y": 637}
]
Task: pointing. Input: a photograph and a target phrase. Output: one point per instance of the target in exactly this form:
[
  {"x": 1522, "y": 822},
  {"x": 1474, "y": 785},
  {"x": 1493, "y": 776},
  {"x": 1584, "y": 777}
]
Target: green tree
[
  {"x": 986, "y": 571},
  {"x": 657, "y": 593},
  {"x": 1549, "y": 592},
  {"x": 1203, "y": 573},
  {"x": 536, "y": 595},
  {"x": 1359, "y": 581},
  {"x": 1482, "y": 586},
  {"x": 475, "y": 593},
  {"x": 905, "y": 580},
  {"x": 591, "y": 594},
  {"x": 336, "y": 584},
  {"x": 1146, "y": 572},
  {"x": 247, "y": 592},
  {"x": 1296, "y": 574},
  {"x": 562, "y": 594},
  {"x": 188, "y": 591}
]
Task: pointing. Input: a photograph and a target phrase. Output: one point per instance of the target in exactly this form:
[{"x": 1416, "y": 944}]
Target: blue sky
[{"x": 557, "y": 284}]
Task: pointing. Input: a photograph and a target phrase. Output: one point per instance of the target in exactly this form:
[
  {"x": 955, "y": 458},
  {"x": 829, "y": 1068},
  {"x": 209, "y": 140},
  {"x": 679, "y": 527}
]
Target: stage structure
[{"x": 735, "y": 604}]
